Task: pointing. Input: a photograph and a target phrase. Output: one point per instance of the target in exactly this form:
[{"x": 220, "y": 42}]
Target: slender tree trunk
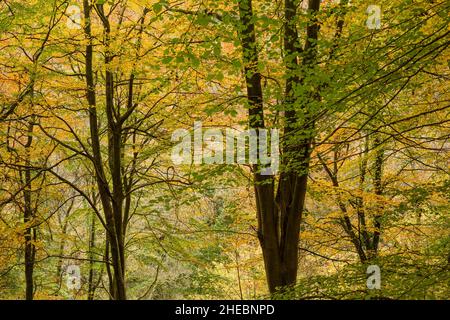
[
  {"x": 60, "y": 254},
  {"x": 30, "y": 232},
  {"x": 59, "y": 273},
  {"x": 378, "y": 190},
  {"x": 366, "y": 243},
  {"x": 91, "y": 284},
  {"x": 112, "y": 201}
]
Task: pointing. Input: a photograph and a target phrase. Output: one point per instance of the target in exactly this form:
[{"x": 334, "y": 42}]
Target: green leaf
[
  {"x": 167, "y": 60},
  {"x": 157, "y": 7}
]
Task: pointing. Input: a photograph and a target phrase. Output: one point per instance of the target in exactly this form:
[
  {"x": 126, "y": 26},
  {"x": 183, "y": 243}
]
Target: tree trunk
[
  {"x": 279, "y": 215},
  {"x": 111, "y": 201},
  {"x": 30, "y": 232},
  {"x": 91, "y": 284}
]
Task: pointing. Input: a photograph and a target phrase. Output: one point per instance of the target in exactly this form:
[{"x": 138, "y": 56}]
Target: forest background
[{"x": 92, "y": 206}]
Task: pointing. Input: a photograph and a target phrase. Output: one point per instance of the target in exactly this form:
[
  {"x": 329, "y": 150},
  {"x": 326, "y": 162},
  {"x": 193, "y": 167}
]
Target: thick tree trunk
[
  {"x": 279, "y": 215},
  {"x": 264, "y": 185}
]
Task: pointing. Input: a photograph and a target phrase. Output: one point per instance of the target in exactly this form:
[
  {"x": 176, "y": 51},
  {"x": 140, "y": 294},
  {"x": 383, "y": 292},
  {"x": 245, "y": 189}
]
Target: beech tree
[{"x": 93, "y": 95}]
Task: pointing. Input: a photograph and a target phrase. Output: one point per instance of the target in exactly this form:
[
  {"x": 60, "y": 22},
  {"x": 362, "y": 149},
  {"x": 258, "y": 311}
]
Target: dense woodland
[{"x": 93, "y": 207}]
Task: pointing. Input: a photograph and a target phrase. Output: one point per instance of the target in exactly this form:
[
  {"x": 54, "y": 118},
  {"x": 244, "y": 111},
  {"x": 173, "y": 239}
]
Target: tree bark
[
  {"x": 91, "y": 284},
  {"x": 279, "y": 215},
  {"x": 112, "y": 201},
  {"x": 30, "y": 231}
]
